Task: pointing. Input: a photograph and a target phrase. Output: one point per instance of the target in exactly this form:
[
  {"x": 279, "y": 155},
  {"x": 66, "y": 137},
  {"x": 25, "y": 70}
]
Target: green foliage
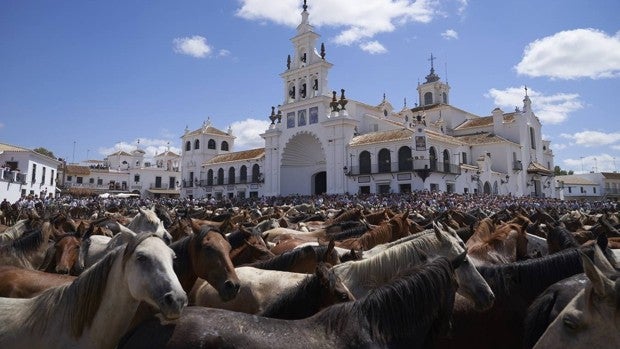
[{"x": 45, "y": 152}]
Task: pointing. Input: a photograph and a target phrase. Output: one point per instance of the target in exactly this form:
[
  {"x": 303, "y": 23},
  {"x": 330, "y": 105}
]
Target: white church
[{"x": 319, "y": 141}]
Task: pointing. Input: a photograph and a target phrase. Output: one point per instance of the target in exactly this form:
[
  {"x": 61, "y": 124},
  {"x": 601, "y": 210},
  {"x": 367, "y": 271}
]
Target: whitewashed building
[
  {"x": 25, "y": 172},
  {"x": 589, "y": 186},
  {"x": 128, "y": 173},
  {"x": 319, "y": 141}
]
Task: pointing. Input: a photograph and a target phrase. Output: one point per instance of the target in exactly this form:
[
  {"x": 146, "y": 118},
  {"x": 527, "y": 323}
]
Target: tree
[
  {"x": 560, "y": 172},
  {"x": 45, "y": 152}
]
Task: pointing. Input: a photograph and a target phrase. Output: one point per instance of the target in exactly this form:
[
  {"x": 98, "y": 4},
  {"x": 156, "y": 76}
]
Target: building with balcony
[
  {"x": 25, "y": 172},
  {"x": 127, "y": 173},
  {"x": 319, "y": 141}
]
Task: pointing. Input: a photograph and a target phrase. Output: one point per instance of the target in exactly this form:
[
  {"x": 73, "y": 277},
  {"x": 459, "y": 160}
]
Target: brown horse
[
  {"x": 63, "y": 256},
  {"x": 491, "y": 244},
  {"x": 408, "y": 312},
  {"x": 28, "y": 251},
  {"x": 247, "y": 247},
  {"x": 389, "y": 231},
  {"x": 301, "y": 260},
  {"x": 26, "y": 283}
]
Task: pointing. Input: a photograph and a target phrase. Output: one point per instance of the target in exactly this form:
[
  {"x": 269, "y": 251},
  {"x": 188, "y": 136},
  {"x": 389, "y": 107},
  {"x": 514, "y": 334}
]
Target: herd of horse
[{"x": 296, "y": 276}]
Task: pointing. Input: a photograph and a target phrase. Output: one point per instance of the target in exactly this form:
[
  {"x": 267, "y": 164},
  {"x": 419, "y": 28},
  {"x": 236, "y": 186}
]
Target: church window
[
  {"x": 428, "y": 98},
  {"x": 432, "y": 155},
  {"x": 225, "y": 146},
  {"x": 385, "y": 162},
  {"x": 196, "y": 144},
  {"x": 446, "y": 161},
  {"x": 255, "y": 173},
  {"x": 231, "y": 175},
  {"x": 210, "y": 177},
  {"x": 243, "y": 174},
  {"x": 405, "y": 162},
  {"x": 445, "y": 98},
  {"x": 188, "y": 146},
  {"x": 532, "y": 138},
  {"x": 220, "y": 176},
  {"x": 364, "y": 162},
  {"x": 211, "y": 144}
]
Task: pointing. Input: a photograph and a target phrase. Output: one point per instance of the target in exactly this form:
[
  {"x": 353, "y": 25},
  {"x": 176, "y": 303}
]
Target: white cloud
[
  {"x": 553, "y": 109},
  {"x": 558, "y": 146},
  {"x": 573, "y": 54},
  {"x": 223, "y": 53},
  {"x": 248, "y": 133},
  {"x": 593, "y": 138},
  {"x": 373, "y": 47},
  {"x": 595, "y": 163},
  {"x": 357, "y": 20},
  {"x": 450, "y": 34},
  {"x": 195, "y": 46},
  {"x": 151, "y": 147}
]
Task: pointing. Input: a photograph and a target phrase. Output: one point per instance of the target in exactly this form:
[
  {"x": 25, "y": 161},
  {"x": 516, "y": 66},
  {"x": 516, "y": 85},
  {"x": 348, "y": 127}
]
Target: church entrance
[
  {"x": 319, "y": 183},
  {"x": 303, "y": 168}
]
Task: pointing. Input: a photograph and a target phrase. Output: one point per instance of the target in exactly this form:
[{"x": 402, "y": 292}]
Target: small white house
[{"x": 25, "y": 172}]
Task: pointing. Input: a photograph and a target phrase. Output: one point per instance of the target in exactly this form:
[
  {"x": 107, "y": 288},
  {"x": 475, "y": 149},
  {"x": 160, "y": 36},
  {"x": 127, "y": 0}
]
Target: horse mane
[
  {"x": 352, "y": 232},
  {"x": 30, "y": 241},
  {"x": 537, "y": 319},
  {"x": 531, "y": 276},
  {"x": 423, "y": 299},
  {"x": 283, "y": 261},
  {"x": 380, "y": 268},
  {"x": 301, "y": 301},
  {"x": 563, "y": 237}
]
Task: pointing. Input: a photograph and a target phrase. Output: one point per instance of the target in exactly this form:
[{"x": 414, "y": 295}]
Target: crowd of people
[{"x": 420, "y": 202}]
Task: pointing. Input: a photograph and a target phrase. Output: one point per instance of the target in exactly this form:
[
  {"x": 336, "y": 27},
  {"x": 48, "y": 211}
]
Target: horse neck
[
  {"x": 183, "y": 266},
  {"x": 299, "y": 302},
  {"x": 410, "y": 307}
]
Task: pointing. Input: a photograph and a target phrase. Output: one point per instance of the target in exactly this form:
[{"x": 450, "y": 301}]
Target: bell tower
[
  {"x": 306, "y": 69},
  {"x": 433, "y": 91}
]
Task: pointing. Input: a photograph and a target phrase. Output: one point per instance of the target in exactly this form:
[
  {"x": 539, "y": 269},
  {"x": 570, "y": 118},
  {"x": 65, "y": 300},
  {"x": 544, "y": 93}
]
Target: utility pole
[{"x": 73, "y": 157}]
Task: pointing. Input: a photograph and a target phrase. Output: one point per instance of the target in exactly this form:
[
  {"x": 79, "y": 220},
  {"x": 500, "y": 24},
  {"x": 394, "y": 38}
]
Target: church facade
[{"x": 319, "y": 141}]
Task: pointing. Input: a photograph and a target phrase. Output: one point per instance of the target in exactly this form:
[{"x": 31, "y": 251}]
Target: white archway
[{"x": 302, "y": 158}]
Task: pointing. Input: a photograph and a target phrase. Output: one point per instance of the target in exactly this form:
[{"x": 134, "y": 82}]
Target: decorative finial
[
  {"x": 334, "y": 103},
  {"x": 525, "y": 90},
  {"x": 305, "y": 6},
  {"x": 432, "y": 77},
  {"x": 279, "y": 115},
  {"x": 384, "y": 96},
  {"x": 272, "y": 117},
  {"x": 343, "y": 100},
  {"x": 323, "y": 50},
  {"x": 405, "y": 104},
  {"x": 432, "y": 59},
  {"x": 288, "y": 62}
]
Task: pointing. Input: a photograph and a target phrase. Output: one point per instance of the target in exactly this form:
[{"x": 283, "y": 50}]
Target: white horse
[
  {"x": 386, "y": 261},
  {"x": 96, "y": 309},
  {"x": 258, "y": 289},
  {"x": 590, "y": 320},
  {"x": 96, "y": 246},
  {"x": 15, "y": 231}
]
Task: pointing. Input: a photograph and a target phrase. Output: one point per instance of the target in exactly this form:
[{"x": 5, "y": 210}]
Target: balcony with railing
[
  {"x": 230, "y": 181},
  {"x": 13, "y": 176},
  {"x": 408, "y": 166}
]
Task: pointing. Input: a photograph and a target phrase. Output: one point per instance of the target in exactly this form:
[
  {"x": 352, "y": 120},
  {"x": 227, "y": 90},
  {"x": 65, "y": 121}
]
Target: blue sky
[{"x": 96, "y": 76}]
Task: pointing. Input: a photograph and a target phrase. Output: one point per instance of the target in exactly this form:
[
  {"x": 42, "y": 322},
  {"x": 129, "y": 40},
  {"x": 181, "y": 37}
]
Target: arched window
[
  {"x": 220, "y": 176},
  {"x": 196, "y": 144},
  {"x": 445, "y": 98},
  {"x": 385, "y": 162},
  {"x": 532, "y": 138},
  {"x": 364, "y": 161},
  {"x": 405, "y": 162},
  {"x": 211, "y": 144},
  {"x": 225, "y": 146},
  {"x": 188, "y": 146},
  {"x": 428, "y": 98},
  {"x": 446, "y": 161},
  {"x": 210, "y": 177},
  {"x": 487, "y": 188},
  {"x": 231, "y": 175},
  {"x": 255, "y": 173},
  {"x": 495, "y": 188},
  {"x": 432, "y": 156},
  {"x": 243, "y": 174}
]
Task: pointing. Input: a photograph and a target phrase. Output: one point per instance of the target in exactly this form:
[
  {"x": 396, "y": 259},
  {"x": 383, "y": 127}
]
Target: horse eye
[
  {"x": 570, "y": 322},
  {"x": 344, "y": 297},
  {"x": 141, "y": 258}
]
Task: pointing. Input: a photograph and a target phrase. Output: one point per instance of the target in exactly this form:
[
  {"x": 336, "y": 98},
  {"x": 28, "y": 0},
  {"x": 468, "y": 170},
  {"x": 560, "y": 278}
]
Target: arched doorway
[
  {"x": 487, "y": 188},
  {"x": 303, "y": 168},
  {"x": 319, "y": 183}
]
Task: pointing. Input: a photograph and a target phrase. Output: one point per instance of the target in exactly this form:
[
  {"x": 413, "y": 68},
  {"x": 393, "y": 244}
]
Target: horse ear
[
  {"x": 328, "y": 251},
  {"x": 141, "y": 210},
  {"x": 601, "y": 285},
  {"x": 458, "y": 260},
  {"x": 322, "y": 272},
  {"x": 438, "y": 232},
  {"x": 601, "y": 262}
]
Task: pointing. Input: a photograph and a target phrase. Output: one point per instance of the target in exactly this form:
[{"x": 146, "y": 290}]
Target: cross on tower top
[
  {"x": 305, "y": 5},
  {"x": 432, "y": 59}
]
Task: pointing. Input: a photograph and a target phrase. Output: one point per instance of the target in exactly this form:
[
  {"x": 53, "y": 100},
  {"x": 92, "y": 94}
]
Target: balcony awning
[{"x": 537, "y": 168}]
